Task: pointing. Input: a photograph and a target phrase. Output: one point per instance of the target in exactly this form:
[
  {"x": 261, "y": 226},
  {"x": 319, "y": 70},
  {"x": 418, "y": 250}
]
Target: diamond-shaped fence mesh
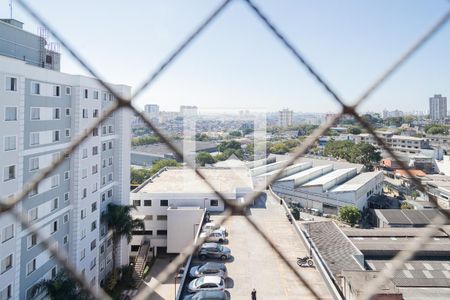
[{"x": 8, "y": 205}]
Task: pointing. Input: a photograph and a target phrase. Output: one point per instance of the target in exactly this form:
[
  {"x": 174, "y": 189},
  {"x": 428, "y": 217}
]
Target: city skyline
[{"x": 271, "y": 78}]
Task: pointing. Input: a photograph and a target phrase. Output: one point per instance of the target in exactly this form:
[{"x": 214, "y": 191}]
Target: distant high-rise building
[
  {"x": 438, "y": 108},
  {"x": 188, "y": 110},
  {"x": 152, "y": 111},
  {"x": 392, "y": 114},
  {"x": 285, "y": 117}
]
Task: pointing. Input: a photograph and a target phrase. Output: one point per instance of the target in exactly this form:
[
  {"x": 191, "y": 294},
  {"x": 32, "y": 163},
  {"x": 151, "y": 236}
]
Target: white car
[
  {"x": 211, "y": 226},
  {"x": 207, "y": 283},
  {"x": 215, "y": 236}
]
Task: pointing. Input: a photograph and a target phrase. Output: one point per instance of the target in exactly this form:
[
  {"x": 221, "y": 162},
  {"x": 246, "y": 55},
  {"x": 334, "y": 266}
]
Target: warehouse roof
[
  {"x": 305, "y": 173},
  {"x": 302, "y": 166},
  {"x": 356, "y": 182},
  {"x": 389, "y": 232},
  {"x": 186, "y": 181},
  {"x": 407, "y": 216},
  {"x": 322, "y": 180}
]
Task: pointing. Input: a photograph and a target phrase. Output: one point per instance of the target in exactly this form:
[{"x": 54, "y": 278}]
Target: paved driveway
[{"x": 256, "y": 265}]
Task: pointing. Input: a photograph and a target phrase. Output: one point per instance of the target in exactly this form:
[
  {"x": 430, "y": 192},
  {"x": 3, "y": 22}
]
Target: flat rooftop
[
  {"x": 356, "y": 182},
  {"x": 300, "y": 166},
  {"x": 305, "y": 173},
  {"x": 330, "y": 177},
  {"x": 162, "y": 148},
  {"x": 407, "y": 216},
  {"x": 186, "y": 181},
  {"x": 389, "y": 232}
]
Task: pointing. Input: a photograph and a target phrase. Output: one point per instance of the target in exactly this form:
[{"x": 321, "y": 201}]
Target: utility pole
[{"x": 10, "y": 9}]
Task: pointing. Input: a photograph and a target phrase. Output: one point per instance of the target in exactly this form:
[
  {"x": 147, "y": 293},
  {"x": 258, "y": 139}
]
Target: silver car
[
  {"x": 207, "y": 283},
  {"x": 215, "y": 236},
  {"x": 209, "y": 268},
  {"x": 213, "y": 226}
]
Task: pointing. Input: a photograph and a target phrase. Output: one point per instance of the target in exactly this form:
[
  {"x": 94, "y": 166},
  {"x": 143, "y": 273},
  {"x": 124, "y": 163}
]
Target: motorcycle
[{"x": 305, "y": 261}]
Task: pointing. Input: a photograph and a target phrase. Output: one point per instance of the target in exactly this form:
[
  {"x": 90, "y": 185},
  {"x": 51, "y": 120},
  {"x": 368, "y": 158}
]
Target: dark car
[
  {"x": 207, "y": 295},
  {"x": 209, "y": 268},
  {"x": 214, "y": 250}
]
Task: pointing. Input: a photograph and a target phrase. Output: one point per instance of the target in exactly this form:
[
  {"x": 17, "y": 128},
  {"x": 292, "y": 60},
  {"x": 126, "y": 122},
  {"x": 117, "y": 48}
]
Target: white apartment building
[
  {"x": 41, "y": 112},
  {"x": 438, "y": 108},
  {"x": 400, "y": 143},
  {"x": 285, "y": 117},
  {"x": 172, "y": 202}
]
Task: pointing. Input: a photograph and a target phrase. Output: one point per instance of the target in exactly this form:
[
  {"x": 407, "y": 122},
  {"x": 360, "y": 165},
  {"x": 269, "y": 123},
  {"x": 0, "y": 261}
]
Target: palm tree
[
  {"x": 60, "y": 287},
  {"x": 119, "y": 220}
]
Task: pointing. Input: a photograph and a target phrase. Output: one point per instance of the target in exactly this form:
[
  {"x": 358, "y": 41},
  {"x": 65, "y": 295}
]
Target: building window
[
  {"x": 68, "y": 90},
  {"x": 54, "y": 227},
  {"x": 83, "y": 213},
  {"x": 56, "y": 91},
  {"x": 66, "y": 218},
  {"x": 54, "y": 204},
  {"x": 103, "y": 146},
  {"x": 110, "y": 161},
  {"x": 6, "y": 293},
  {"x": 110, "y": 193},
  {"x": 31, "y": 266},
  {"x": 95, "y": 132},
  {"x": 110, "y": 129},
  {"x": 93, "y": 206},
  {"x": 103, "y": 197},
  {"x": 85, "y": 153},
  {"x": 31, "y": 240},
  {"x": 35, "y": 88},
  {"x": 34, "y": 138},
  {"x": 161, "y": 232},
  {"x": 95, "y": 150},
  {"x": 66, "y": 197},
  {"x": 85, "y": 113},
  {"x": 56, "y": 113},
  {"x": 11, "y": 84},
  {"x": 95, "y": 95},
  {"x": 104, "y": 96},
  {"x": 83, "y": 233},
  {"x": 213, "y": 202},
  {"x": 136, "y": 202},
  {"x": 164, "y": 203},
  {"x": 10, "y": 113},
  {"x": 53, "y": 272},
  {"x": 9, "y": 173},
  {"x": 103, "y": 130},
  {"x": 94, "y": 187},
  {"x": 86, "y": 93},
  {"x": 7, "y": 233},
  {"x": 6, "y": 263},
  {"x": 94, "y": 169},
  {"x": 33, "y": 214},
  {"x": 104, "y": 163},
  {"x": 161, "y": 218},
  {"x": 67, "y": 112},
  {"x": 92, "y": 265},
  {"x": 56, "y": 136},
  {"x": 147, "y": 202},
  {"x": 67, "y": 132},
  {"x": 84, "y": 195},
  {"x": 35, "y": 113},
  {"x": 66, "y": 240},
  {"x": 54, "y": 181},
  {"x": 83, "y": 173},
  {"x": 93, "y": 226},
  {"x": 93, "y": 244},
  {"x": 95, "y": 113},
  {"x": 10, "y": 143},
  {"x": 110, "y": 145},
  {"x": 83, "y": 254}
]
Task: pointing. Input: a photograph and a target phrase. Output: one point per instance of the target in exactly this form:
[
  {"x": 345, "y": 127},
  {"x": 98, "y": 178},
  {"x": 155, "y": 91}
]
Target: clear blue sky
[{"x": 236, "y": 63}]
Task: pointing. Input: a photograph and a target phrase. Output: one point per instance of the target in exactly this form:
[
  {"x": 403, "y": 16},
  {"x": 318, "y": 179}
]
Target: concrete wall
[{"x": 182, "y": 225}]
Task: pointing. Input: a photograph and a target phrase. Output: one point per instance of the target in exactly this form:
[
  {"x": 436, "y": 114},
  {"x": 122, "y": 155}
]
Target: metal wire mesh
[{"x": 8, "y": 205}]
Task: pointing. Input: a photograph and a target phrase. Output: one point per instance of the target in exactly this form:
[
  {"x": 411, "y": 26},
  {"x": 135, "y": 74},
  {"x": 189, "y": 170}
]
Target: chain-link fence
[{"x": 8, "y": 205}]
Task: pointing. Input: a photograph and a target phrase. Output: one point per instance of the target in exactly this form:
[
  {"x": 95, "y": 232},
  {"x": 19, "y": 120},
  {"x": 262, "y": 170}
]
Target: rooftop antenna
[{"x": 10, "y": 9}]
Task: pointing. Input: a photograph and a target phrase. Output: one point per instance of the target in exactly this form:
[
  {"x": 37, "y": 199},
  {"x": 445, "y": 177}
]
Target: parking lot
[{"x": 254, "y": 264}]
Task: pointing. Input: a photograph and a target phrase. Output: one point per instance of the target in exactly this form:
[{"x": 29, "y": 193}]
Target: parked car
[
  {"x": 209, "y": 268},
  {"x": 207, "y": 283},
  {"x": 215, "y": 236},
  {"x": 214, "y": 250},
  {"x": 213, "y": 226},
  {"x": 207, "y": 295}
]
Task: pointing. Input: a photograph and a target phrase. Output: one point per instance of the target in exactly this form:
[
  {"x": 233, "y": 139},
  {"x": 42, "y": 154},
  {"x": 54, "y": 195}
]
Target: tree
[
  {"x": 145, "y": 140},
  {"x": 415, "y": 194},
  {"x": 278, "y": 148},
  {"x": 349, "y": 214},
  {"x": 360, "y": 153},
  {"x": 235, "y": 133},
  {"x": 406, "y": 205},
  {"x": 204, "y": 158},
  {"x": 162, "y": 163},
  {"x": 354, "y": 130},
  {"x": 119, "y": 220},
  {"x": 229, "y": 145},
  {"x": 436, "y": 129},
  {"x": 60, "y": 287},
  {"x": 138, "y": 176}
]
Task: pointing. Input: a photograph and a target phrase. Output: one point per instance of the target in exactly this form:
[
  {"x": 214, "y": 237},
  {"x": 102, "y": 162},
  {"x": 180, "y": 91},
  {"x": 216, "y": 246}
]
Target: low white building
[{"x": 172, "y": 203}]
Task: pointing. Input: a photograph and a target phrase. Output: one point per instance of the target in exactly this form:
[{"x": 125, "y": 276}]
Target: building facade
[
  {"x": 285, "y": 117},
  {"x": 41, "y": 112},
  {"x": 438, "y": 108},
  {"x": 400, "y": 143}
]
